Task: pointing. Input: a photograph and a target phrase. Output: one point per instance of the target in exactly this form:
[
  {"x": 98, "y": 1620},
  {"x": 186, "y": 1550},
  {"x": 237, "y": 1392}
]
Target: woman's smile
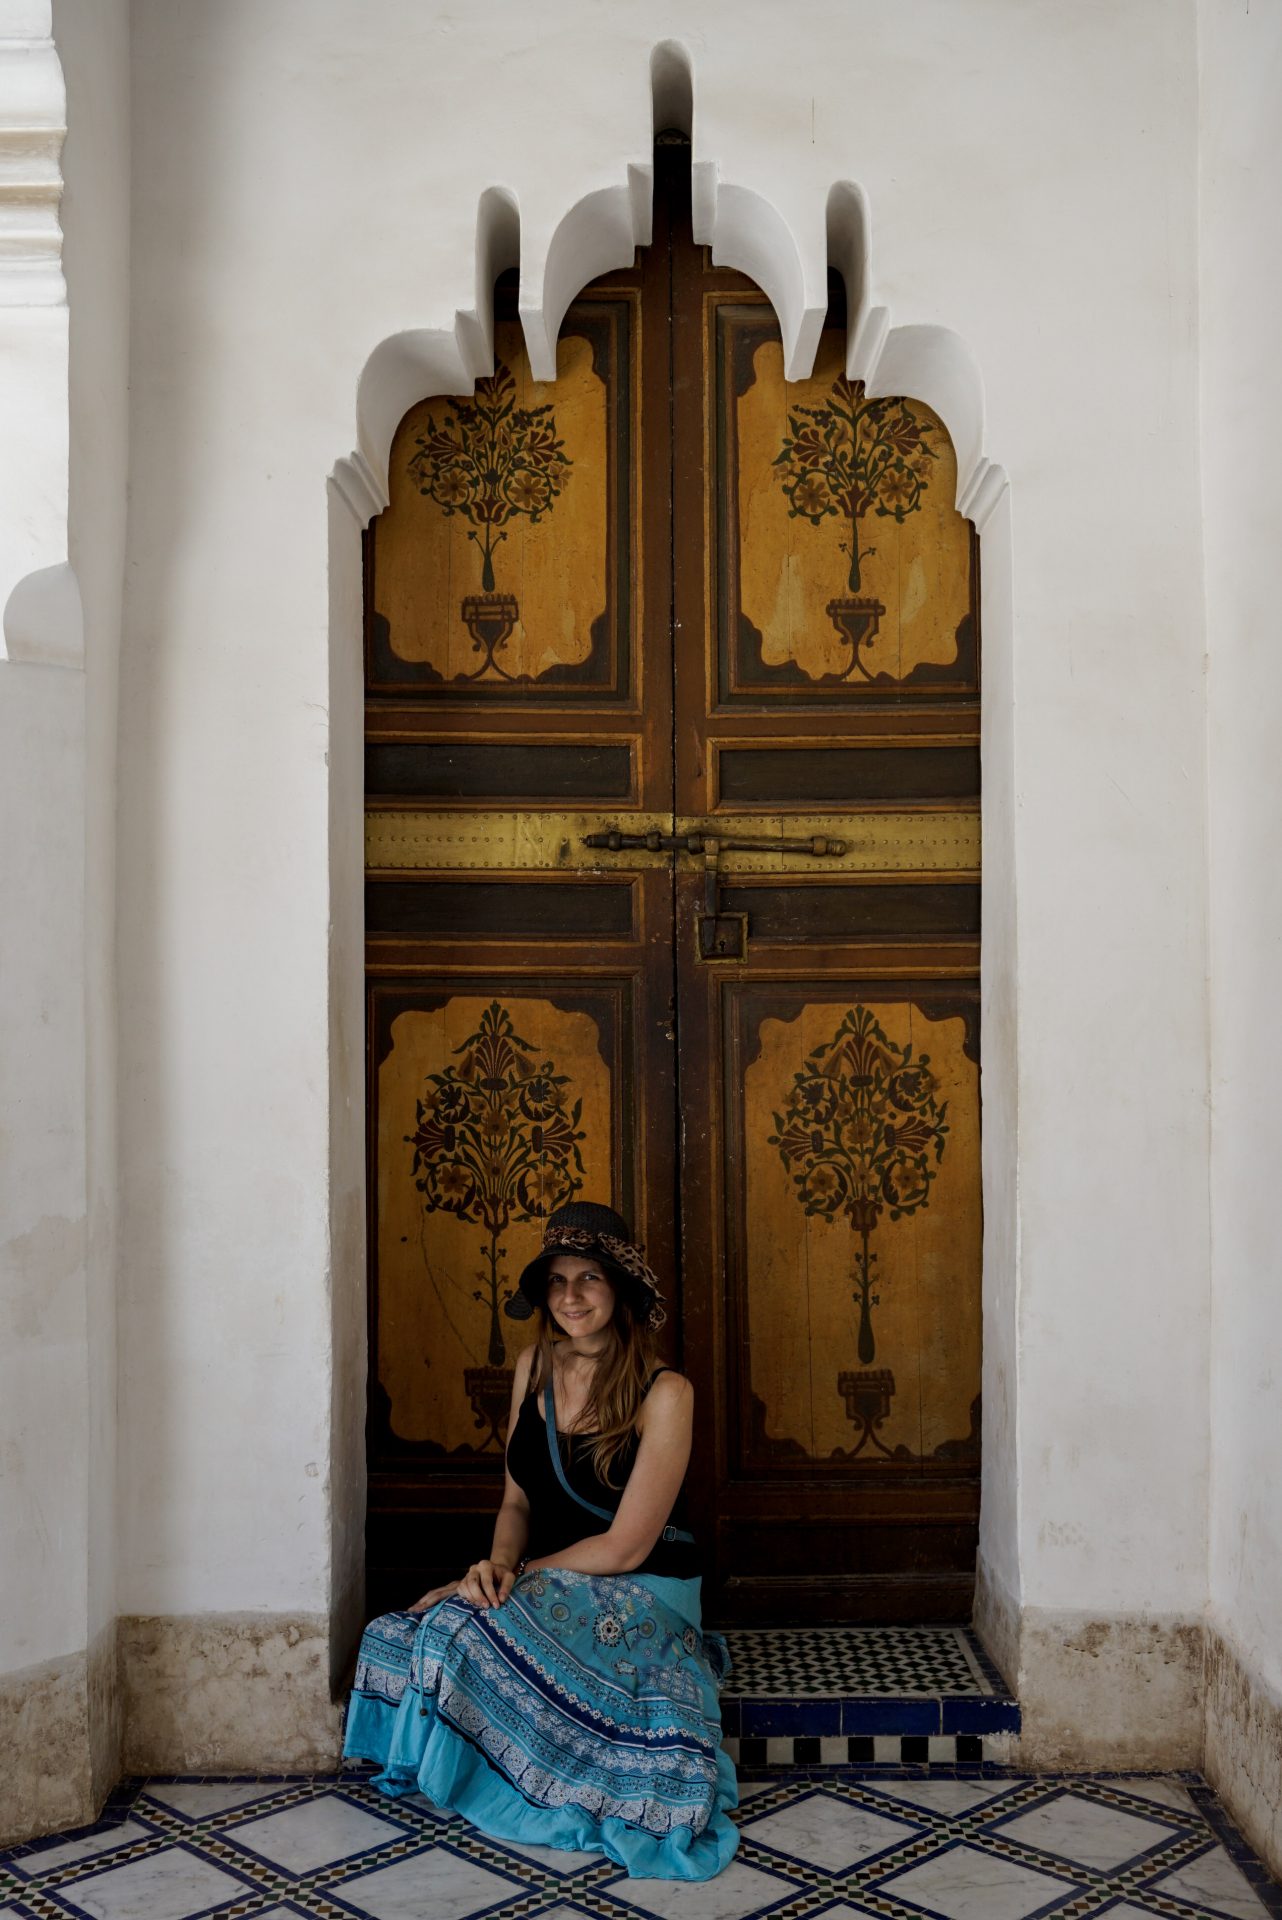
[{"x": 580, "y": 1296}]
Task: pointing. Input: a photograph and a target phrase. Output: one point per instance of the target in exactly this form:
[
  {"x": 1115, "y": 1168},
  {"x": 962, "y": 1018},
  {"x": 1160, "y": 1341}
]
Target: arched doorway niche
[{"x": 790, "y": 261}]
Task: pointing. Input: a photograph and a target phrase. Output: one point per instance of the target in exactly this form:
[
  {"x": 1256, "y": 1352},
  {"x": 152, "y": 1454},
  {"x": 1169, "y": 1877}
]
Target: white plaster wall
[
  {"x": 1242, "y": 493},
  {"x": 57, "y": 851},
  {"x": 92, "y": 37},
  {"x": 44, "y": 1424},
  {"x": 1101, "y": 412},
  {"x": 43, "y": 1326},
  {"x": 307, "y": 174}
]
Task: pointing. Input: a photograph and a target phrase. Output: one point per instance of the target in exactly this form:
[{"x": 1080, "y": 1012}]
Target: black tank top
[{"x": 557, "y": 1521}]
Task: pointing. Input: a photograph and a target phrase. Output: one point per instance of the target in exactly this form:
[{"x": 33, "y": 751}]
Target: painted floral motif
[
  {"x": 854, "y": 456},
  {"x": 491, "y": 461},
  {"x": 862, "y": 1133},
  {"x": 496, "y": 1141},
  {"x": 843, "y": 460}
]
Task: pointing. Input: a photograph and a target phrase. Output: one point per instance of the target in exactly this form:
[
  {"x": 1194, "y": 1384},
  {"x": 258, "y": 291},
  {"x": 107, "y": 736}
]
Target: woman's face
[{"x": 580, "y": 1297}]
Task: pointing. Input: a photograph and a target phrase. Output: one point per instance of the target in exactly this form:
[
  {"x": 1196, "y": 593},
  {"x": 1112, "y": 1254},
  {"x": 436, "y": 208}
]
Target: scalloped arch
[{"x": 745, "y": 230}]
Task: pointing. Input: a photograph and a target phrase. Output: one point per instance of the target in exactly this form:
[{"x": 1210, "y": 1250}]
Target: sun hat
[{"x": 581, "y": 1226}]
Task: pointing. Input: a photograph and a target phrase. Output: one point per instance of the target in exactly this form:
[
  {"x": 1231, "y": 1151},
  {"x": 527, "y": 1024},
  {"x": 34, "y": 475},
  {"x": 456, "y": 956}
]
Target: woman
[{"x": 563, "y": 1692}]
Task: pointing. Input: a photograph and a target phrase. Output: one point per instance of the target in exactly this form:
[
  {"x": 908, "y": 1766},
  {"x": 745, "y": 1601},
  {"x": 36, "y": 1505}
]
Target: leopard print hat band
[{"x": 582, "y": 1226}]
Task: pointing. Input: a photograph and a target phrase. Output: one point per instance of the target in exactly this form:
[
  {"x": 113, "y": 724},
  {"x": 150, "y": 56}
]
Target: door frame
[{"x": 598, "y": 233}]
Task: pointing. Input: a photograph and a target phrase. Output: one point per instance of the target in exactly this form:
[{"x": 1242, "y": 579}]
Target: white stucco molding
[
  {"x": 933, "y": 364},
  {"x": 410, "y": 366},
  {"x": 44, "y": 620},
  {"x": 33, "y": 123},
  {"x": 38, "y": 591},
  {"x": 744, "y": 229},
  {"x": 927, "y": 362},
  {"x": 600, "y": 233}
]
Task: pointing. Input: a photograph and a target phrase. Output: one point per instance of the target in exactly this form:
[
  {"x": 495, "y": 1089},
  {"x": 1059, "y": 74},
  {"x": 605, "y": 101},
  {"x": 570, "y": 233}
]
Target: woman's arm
[
  {"x": 653, "y": 1485},
  {"x": 496, "y": 1576},
  {"x": 511, "y": 1526}
]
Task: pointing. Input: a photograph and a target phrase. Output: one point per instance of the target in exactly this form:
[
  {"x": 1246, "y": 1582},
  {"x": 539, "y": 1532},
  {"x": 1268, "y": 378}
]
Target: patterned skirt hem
[
  {"x": 553, "y": 1740},
  {"x": 455, "y": 1776}
]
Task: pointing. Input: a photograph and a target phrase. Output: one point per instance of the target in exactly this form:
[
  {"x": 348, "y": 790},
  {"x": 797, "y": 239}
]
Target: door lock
[{"x": 722, "y": 936}]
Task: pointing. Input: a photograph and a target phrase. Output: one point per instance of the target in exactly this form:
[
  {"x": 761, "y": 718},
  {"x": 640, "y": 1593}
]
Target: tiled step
[{"x": 860, "y": 1696}]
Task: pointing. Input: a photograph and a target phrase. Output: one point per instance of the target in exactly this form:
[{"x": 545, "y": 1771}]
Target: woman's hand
[
  {"x": 487, "y": 1583},
  {"x": 430, "y": 1599}
]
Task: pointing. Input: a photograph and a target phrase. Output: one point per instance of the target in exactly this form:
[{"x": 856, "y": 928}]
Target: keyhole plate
[{"x": 723, "y": 936}]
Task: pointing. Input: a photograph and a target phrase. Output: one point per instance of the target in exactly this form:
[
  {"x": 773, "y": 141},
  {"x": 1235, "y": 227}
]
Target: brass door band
[
  {"x": 433, "y": 839},
  {"x": 916, "y": 842}
]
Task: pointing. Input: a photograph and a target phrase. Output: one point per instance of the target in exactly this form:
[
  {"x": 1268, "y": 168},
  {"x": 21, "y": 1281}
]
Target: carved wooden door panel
[
  {"x": 520, "y": 1042},
  {"x": 827, "y": 716},
  {"x": 670, "y": 597}
]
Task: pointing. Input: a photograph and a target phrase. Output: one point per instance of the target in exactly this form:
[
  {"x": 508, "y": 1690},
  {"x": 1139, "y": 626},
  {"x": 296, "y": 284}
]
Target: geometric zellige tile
[
  {"x": 864, "y": 1661},
  {"x": 200, "y": 1799},
  {"x": 738, "y": 1891},
  {"x": 173, "y": 1884},
  {"x": 1085, "y": 1833},
  {"x": 966, "y": 1884},
  {"x": 829, "y": 1832},
  {"x": 1214, "y": 1885},
  {"x": 438, "y": 1883},
  {"x": 90, "y": 1846},
  {"x": 313, "y": 1833},
  {"x": 822, "y": 1843}
]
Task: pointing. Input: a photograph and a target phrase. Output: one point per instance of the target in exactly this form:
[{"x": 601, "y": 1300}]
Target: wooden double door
[{"x": 673, "y": 903}]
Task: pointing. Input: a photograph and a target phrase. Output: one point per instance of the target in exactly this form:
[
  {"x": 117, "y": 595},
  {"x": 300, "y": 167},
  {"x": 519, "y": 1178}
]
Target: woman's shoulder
[
  {"x": 668, "y": 1391},
  {"x": 666, "y": 1380}
]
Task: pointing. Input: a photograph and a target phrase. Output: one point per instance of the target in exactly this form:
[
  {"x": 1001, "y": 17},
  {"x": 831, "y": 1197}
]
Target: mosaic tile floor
[
  {"x": 859, "y": 1660},
  {"x": 908, "y": 1845}
]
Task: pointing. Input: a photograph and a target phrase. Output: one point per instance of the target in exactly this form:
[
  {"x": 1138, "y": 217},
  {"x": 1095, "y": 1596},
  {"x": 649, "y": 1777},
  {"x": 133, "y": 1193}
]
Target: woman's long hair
[{"x": 618, "y": 1379}]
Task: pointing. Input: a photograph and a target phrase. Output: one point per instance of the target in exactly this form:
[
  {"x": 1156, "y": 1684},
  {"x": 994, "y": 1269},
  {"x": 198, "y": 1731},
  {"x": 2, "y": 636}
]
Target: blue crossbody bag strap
[
  {"x": 554, "y": 1450},
  {"x": 549, "y": 1421}
]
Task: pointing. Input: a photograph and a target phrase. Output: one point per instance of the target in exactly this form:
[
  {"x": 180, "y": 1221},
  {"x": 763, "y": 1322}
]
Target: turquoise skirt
[{"x": 580, "y": 1714}]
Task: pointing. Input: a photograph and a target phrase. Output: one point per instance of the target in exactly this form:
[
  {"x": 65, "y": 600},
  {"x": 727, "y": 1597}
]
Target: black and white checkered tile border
[{"x": 871, "y": 1750}]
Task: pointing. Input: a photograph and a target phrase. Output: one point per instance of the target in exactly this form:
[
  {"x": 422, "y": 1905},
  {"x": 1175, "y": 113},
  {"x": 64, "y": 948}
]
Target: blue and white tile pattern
[
  {"x": 859, "y": 1696},
  {"x": 836, "y": 1845}
]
